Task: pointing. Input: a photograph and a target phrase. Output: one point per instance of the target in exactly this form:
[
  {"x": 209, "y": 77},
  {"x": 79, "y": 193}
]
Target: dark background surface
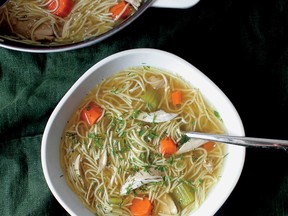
[{"x": 241, "y": 45}]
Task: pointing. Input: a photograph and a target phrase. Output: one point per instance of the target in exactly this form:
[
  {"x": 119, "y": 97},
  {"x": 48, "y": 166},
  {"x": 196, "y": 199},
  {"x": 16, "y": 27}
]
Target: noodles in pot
[
  {"x": 125, "y": 145},
  {"x": 55, "y": 22}
]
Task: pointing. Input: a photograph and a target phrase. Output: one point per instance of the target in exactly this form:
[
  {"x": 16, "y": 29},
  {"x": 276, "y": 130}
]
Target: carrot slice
[
  {"x": 141, "y": 207},
  {"x": 91, "y": 113},
  {"x": 63, "y": 9},
  {"x": 117, "y": 10},
  {"x": 176, "y": 97},
  {"x": 167, "y": 146},
  {"x": 209, "y": 145}
]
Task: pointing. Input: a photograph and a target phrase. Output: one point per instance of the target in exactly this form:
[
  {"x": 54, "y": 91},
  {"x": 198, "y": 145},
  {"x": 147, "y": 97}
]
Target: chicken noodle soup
[
  {"x": 124, "y": 151},
  {"x": 62, "y": 21}
]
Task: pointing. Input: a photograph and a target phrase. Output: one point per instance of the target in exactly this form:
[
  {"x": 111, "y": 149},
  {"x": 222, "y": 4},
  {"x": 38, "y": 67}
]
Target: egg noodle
[
  {"x": 87, "y": 19},
  {"x": 131, "y": 145}
]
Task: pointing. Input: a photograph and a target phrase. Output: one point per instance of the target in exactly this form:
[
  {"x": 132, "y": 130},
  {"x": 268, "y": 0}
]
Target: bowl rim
[{"x": 93, "y": 69}]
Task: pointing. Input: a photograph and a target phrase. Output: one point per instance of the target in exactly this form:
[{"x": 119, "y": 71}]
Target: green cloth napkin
[{"x": 241, "y": 45}]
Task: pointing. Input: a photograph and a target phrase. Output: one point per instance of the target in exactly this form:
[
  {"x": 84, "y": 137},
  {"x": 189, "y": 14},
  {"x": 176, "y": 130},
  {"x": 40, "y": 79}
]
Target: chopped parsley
[
  {"x": 217, "y": 115},
  {"x": 141, "y": 132},
  {"x": 161, "y": 168},
  {"x": 115, "y": 91},
  {"x": 146, "y": 67},
  {"x": 97, "y": 139},
  {"x": 184, "y": 139},
  {"x": 170, "y": 160},
  {"x": 135, "y": 114},
  {"x": 147, "y": 168}
]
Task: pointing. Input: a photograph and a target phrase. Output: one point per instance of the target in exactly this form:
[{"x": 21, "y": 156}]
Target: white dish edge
[{"x": 175, "y": 3}]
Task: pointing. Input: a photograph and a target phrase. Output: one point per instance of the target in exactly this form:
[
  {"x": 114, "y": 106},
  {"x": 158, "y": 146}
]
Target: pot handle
[{"x": 184, "y": 4}]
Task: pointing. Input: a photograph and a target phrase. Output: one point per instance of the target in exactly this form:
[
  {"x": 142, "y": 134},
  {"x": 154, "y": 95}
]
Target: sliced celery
[
  {"x": 116, "y": 200},
  {"x": 151, "y": 98},
  {"x": 183, "y": 195}
]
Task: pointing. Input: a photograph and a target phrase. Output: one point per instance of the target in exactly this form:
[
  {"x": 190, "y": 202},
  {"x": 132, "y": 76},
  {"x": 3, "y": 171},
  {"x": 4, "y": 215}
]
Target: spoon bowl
[{"x": 241, "y": 140}]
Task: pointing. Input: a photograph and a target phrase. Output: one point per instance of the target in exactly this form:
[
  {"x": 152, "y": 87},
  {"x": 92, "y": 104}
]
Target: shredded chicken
[
  {"x": 140, "y": 178},
  {"x": 156, "y": 82},
  {"x": 158, "y": 116},
  {"x": 190, "y": 145},
  {"x": 208, "y": 166},
  {"x": 102, "y": 161},
  {"x": 134, "y": 3},
  {"x": 25, "y": 28},
  {"x": 78, "y": 169}
]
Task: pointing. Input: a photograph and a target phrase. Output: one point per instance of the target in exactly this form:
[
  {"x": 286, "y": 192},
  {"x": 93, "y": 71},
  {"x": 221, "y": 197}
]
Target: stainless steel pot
[{"x": 18, "y": 46}]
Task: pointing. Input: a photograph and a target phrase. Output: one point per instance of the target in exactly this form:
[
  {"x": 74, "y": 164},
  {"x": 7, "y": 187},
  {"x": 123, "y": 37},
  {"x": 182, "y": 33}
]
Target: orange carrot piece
[
  {"x": 209, "y": 145},
  {"x": 64, "y": 7},
  {"x": 117, "y": 9},
  {"x": 167, "y": 146},
  {"x": 176, "y": 97},
  {"x": 91, "y": 113},
  {"x": 141, "y": 207}
]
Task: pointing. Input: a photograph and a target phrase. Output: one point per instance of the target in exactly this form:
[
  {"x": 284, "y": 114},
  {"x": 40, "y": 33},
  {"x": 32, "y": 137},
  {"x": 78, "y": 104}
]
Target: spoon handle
[{"x": 241, "y": 140}]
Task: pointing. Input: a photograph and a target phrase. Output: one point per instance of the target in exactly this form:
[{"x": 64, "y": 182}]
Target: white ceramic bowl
[{"x": 50, "y": 157}]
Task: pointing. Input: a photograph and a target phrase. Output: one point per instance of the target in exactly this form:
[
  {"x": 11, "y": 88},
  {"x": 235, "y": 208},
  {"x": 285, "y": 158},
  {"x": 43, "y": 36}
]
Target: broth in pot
[{"x": 60, "y": 22}]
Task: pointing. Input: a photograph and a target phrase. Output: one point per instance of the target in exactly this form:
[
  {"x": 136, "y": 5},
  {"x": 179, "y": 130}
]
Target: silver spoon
[{"x": 241, "y": 140}]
